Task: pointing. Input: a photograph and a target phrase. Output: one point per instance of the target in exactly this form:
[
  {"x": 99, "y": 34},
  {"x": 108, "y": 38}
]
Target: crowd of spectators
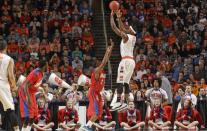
[{"x": 58, "y": 31}]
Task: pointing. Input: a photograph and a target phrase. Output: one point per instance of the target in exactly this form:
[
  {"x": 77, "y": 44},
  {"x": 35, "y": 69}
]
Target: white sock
[
  {"x": 29, "y": 128},
  {"x": 24, "y": 129},
  {"x": 89, "y": 123}
]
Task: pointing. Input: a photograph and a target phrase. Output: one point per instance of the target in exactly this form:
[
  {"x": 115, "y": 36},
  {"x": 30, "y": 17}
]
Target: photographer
[{"x": 42, "y": 121}]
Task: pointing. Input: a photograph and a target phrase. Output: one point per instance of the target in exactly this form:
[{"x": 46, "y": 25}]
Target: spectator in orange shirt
[
  {"x": 12, "y": 48},
  {"x": 87, "y": 36},
  {"x": 171, "y": 39}
]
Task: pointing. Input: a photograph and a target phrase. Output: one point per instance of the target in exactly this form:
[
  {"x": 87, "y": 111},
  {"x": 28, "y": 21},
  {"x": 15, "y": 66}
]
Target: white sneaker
[
  {"x": 116, "y": 105},
  {"x": 119, "y": 106}
]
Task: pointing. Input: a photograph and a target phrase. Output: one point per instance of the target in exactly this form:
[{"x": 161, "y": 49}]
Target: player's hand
[
  {"x": 111, "y": 43},
  {"x": 118, "y": 13},
  {"x": 112, "y": 13},
  {"x": 14, "y": 89}
]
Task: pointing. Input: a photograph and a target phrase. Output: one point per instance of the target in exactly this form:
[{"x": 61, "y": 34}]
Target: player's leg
[
  {"x": 116, "y": 101},
  {"x": 7, "y": 101},
  {"x": 25, "y": 123},
  {"x": 128, "y": 72},
  {"x": 92, "y": 111}
]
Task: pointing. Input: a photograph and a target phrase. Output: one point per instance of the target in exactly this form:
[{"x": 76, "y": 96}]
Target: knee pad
[
  {"x": 127, "y": 90},
  {"x": 119, "y": 88}
]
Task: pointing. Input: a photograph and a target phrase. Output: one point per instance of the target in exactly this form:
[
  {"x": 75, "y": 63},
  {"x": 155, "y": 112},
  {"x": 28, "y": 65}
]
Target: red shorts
[
  {"x": 95, "y": 104},
  {"x": 27, "y": 110}
]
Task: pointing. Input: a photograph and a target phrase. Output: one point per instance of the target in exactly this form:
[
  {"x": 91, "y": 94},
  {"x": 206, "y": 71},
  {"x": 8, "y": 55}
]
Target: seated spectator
[
  {"x": 188, "y": 117},
  {"x": 68, "y": 117},
  {"x": 156, "y": 93},
  {"x": 158, "y": 119},
  {"x": 131, "y": 119},
  {"x": 43, "y": 120}
]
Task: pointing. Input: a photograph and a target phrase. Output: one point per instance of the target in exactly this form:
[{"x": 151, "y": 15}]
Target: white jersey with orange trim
[
  {"x": 5, "y": 92},
  {"x": 127, "y": 48},
  {"x": 4, "y": 63},
  {"x": 127, "y": 64}
]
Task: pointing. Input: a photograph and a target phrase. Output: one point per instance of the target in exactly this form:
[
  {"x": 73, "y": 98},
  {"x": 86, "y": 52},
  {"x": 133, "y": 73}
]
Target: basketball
[{"x": 114, "y": 5}]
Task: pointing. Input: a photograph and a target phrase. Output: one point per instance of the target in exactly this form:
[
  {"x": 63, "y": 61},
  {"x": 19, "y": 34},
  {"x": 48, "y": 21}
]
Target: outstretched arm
[
  {"x": 116, "y": 30},
  {"x": 120, "y": 22},
  {"x": 105, "y": 59}
]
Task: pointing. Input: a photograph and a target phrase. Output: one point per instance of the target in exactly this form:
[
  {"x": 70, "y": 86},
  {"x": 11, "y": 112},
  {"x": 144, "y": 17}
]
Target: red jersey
[
  {"x": 95, "y": 100},
  {"x": 97, "y": 85},
  {"x": 26, "y": 109}
]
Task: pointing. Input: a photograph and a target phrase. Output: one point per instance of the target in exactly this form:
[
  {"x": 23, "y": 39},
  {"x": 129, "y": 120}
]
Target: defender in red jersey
[
  {"x": 27, "y": 99},
  {"x": 95, "y": 110}
]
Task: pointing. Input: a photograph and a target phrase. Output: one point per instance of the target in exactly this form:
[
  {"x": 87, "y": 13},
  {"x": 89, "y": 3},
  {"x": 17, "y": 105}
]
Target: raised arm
[
  {"x": 105, "y": 59},
  {"x": 11, "y": 77},
  {"x": 120, "y": 22},
  {"x": 116, "y": 30}
]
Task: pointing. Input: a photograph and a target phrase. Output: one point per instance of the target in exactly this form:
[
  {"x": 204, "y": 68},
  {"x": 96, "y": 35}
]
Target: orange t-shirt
[
  {"x": 13, "y": 48},
  {"x": 88, "y": 37},
  {"x": 171, "y": 40}
]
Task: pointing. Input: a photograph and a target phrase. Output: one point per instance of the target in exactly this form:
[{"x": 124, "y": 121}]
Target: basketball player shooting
[
  {"x": 27, "y": 99},
  {"x": 127, "y": 64},
  {"x": 7, "y": 83},
  {"x": 95, "y": 108}
]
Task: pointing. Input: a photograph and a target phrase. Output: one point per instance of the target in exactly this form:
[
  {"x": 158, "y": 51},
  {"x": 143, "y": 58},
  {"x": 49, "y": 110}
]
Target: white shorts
[
  {"x": 6, "y": 96},
  {"x": 125, "y": 70}
]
